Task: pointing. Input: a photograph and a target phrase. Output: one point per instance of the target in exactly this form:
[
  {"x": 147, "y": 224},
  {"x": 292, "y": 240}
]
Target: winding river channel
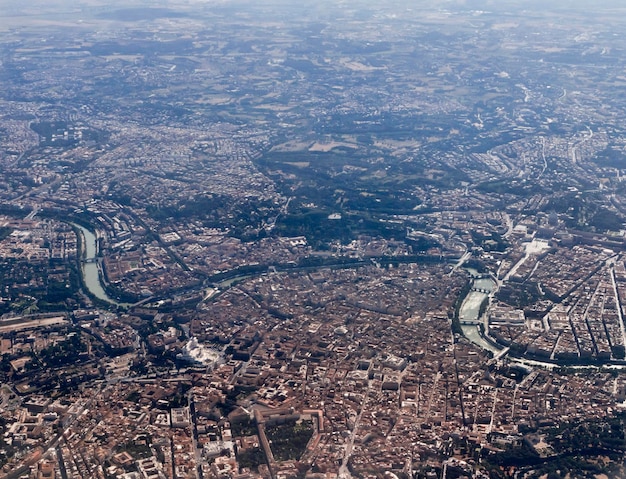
[
  {"x": 90, "y": 267},
  {"x": 470, "y": 310}
]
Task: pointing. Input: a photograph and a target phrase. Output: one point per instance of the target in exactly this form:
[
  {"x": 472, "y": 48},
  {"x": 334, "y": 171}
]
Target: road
[
  {"x": 543, "y": 155},
  {"x": 467, "y": 255},
  {"x": 618, "y": 302},
  {"x": 194, "y": 435},
  {"x": 344, "y": 472}
]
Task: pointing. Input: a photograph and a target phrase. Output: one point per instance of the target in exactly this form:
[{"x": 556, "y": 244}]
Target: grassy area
[{"x": 288, "y": 441}]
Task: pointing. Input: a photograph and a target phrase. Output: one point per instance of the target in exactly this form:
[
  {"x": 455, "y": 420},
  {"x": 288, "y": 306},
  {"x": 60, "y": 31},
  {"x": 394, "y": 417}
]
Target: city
[{"x": 312, "y": 241}]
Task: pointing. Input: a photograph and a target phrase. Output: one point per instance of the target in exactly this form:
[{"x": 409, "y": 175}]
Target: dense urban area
[{"x": 317, "y": 240}]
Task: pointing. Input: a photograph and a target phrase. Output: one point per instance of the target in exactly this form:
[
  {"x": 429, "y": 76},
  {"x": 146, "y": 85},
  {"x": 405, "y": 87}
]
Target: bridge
[
  {"x": 501, "y": 353},
  {"x": 482, "y": 276},
  {"x": 481, "y": 290}
]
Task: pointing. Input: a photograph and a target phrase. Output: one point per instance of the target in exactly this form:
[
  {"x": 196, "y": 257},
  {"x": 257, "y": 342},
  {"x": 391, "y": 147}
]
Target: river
[
  {"x": 90, "y": 270},
  {"x": 470, "y": 310}
]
